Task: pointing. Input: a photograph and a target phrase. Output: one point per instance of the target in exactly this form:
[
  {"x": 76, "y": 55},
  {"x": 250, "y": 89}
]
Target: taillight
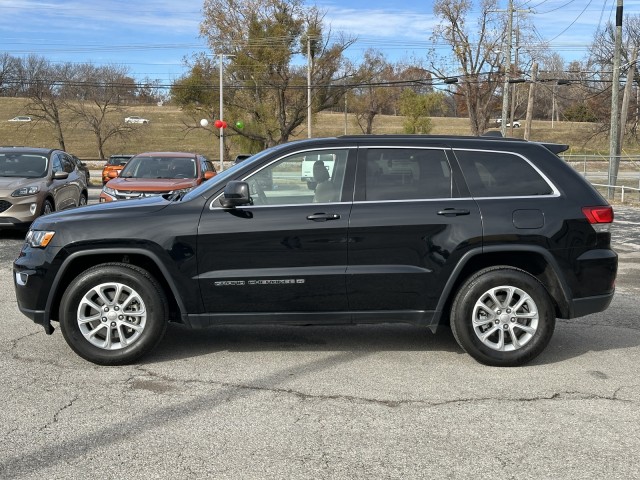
[{"x": 600, "y": 218}]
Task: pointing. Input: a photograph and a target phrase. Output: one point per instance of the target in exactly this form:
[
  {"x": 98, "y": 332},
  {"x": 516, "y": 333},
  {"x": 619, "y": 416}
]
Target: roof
[
  {"x": 167, "y": 154},
  {"x": 39, "y": 150}
]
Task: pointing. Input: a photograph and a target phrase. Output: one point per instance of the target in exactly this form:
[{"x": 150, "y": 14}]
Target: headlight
[
  {"x": 39, "y": 238},
  {"x": 109, "y": 191},
  {"x": 181, "y": 191},
  {"x": 25, "y": 191}
]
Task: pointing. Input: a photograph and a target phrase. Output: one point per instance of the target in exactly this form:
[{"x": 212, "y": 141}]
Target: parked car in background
[
  {"x": 157, "y": 173},
  {"x": 240, "y": 157},
  {"x": 83, "y": 168},
  {"x": 134, "y": 119},
  {"x": 516, "y": 123},
  {"x": 20, "y": 118},
  {"x": 114, "y": 164},
  {"x": 37, "y": 181}
]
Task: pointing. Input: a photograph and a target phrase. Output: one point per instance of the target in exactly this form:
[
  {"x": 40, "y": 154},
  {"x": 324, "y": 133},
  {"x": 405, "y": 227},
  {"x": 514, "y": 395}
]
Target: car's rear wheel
[
  {"x": 83, "y": 200},
  {"x": 112, "y": 314},
  {"x": 502, "y": 316}
]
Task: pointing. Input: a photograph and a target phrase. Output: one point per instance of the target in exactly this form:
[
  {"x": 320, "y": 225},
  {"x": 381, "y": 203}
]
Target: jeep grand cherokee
[{"x": 497, "y": 237}]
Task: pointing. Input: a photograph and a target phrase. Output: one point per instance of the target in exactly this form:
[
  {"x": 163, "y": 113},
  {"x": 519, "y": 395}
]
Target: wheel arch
[
  {"x": 51, "y": 200},
  {"x": 78, "y": 262},
  {"x": 536, "y": 261}
]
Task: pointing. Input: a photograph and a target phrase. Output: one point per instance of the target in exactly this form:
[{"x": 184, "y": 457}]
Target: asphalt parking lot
[{"x": 385, "y": 401}]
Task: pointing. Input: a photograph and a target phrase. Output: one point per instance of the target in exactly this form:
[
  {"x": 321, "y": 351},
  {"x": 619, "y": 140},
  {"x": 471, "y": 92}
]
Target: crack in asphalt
[
  {"x": 565, "y": 395},
  {"x": 57, "y": 414}
]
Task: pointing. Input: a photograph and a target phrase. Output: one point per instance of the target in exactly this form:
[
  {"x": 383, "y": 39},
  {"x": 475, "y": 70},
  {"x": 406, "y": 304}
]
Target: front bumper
[
  {"x": 39, "y": 317},
  {"x": 33, "y": 280}
]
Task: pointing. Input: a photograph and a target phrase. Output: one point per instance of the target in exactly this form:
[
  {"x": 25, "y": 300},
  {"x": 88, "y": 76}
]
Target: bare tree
[
  {"x": 8, "y": 75},
  {"x": 43, "y": 82},
  {"x": 95, "y": 97},
  {"x": 476, "y": 53},
  {"x": 601, "y": 56},
  {"x": 371, "y": 96}
]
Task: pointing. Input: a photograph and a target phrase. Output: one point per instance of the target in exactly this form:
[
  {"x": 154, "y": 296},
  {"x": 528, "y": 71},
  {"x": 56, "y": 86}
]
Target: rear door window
[{"x": 407, "y": 174}]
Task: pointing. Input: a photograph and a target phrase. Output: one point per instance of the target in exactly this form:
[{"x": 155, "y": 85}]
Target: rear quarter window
[{"x": 500, "y": 174}]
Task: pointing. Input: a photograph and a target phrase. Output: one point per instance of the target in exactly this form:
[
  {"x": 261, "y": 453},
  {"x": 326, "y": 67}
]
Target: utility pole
[
  {"x": 614, "y": 135},
  {"x": 222, "y": 55},
  {"x": 309, "y": 67},
  {"x": 507, "y": 70},
  {"x": 529, "y": 119},
  {"x": 627, "y": 95},
  {"x": 345, "y": 113}
]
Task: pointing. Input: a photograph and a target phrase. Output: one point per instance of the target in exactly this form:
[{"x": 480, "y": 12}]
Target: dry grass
[{"x": 167, "y": 132}]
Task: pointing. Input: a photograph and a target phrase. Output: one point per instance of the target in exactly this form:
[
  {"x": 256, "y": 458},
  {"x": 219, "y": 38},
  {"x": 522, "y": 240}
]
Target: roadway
[{"x": 385, "y": 401}]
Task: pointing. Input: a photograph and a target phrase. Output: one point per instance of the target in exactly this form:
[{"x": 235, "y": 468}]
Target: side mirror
[
  {"x": 235, "y": 194},
  {"x": 209, "y": 174},
  {"x": 113, "y": 173},
  {"x": 60, "y": 175}
]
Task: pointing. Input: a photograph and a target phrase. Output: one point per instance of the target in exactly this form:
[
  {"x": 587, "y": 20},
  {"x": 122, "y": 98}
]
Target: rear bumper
[{"x": 588, "y": 305}]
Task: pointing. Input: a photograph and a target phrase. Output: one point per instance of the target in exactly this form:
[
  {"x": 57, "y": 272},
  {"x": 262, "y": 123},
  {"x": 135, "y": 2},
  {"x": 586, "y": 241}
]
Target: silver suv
[{"x": 37, "y": 181}]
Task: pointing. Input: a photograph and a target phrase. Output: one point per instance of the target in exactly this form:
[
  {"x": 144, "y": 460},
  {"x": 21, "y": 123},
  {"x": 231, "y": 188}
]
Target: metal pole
[
  {"x": 614, "y": 135},
  {"x": 627, "y": 95},
  {"x": 345, "y": 113},
  {"x": 507, "y": 71},
  {"x": 221, "y": 117},
  {"x": 309, "y": 65},
  {"x": 553, "y": 104},
  {"x": 529, "y": 119}
]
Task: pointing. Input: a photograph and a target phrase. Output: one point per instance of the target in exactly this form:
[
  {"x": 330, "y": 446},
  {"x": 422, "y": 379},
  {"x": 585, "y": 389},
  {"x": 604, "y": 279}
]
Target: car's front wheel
[
  {"x": 114, "y": 313},
  {"x": 502, "y": 316},
  {"x": 47, "y": 208}
]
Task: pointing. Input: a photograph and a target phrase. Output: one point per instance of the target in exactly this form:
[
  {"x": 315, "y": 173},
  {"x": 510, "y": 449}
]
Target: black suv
[{"x": 495, "y": 236}]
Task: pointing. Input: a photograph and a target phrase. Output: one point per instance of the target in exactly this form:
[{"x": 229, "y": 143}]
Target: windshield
[
  {"x": 160, "y": 167},
  {"x": 118, "y": 160},
  {"x": 24, "y": 165}
]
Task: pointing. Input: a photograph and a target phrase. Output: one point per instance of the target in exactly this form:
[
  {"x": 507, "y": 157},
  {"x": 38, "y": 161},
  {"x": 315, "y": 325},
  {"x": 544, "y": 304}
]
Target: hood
[
  {"x": 151, "y": 184},
  {"x": 9, "y": 184},
  {"x": 101, "y": 212}
]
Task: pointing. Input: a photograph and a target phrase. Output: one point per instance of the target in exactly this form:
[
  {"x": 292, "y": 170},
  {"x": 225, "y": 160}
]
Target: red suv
[{"x": 157, "y": 173}]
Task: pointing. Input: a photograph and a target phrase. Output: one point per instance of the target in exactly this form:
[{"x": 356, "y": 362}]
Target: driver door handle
[
  {"x": 453, "y": 212},
  {"x": 323, "y": 217}
]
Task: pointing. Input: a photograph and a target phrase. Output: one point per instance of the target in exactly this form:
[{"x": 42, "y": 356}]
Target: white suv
[{"x": 134, "y": 119}]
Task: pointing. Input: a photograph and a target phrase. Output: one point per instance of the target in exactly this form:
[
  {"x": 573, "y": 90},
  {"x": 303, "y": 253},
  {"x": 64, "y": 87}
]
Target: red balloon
[
  {"x": 218, "y": 123},
  {"x": 224, "y": 124}
]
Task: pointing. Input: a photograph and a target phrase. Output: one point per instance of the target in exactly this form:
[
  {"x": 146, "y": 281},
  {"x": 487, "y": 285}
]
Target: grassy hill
[{"x": 167, "y": 131}]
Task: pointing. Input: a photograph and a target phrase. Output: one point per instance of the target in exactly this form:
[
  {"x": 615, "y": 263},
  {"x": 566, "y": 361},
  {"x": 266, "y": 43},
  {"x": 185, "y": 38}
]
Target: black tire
[
  {"x": 47, "y": 207},
  {"x": 502, "y": 336},
  {"x": 82, "y": 201},
  {"x": 139, "y": 315}
]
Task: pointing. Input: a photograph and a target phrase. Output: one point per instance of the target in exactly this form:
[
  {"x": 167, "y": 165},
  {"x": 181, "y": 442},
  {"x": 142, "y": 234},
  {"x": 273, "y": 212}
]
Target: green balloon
[{"x": 239, "y": 125}]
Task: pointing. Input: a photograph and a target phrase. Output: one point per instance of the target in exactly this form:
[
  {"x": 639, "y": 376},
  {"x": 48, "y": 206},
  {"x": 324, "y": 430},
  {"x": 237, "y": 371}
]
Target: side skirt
[{"x": 416, "y": 317}]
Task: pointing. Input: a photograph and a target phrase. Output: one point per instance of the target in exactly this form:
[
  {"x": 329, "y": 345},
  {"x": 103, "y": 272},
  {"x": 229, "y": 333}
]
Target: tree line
[
  {"x": 279, "y": 54},
  {"x": 68, "y": 95}
]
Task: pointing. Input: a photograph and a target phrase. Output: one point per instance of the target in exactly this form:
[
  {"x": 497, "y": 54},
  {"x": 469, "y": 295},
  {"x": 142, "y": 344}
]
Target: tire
[
  {"x": 82, "y": 201},
  {"x": 108, "y": 336},
  {"x": 487, "y": 328},
  {"x": 47, "y": 208}
]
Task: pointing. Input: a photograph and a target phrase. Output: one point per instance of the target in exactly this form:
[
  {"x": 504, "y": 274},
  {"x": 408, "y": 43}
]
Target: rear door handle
[
  {"x": 323, "y": 217},
  {"x": 453, "y": 212}
]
